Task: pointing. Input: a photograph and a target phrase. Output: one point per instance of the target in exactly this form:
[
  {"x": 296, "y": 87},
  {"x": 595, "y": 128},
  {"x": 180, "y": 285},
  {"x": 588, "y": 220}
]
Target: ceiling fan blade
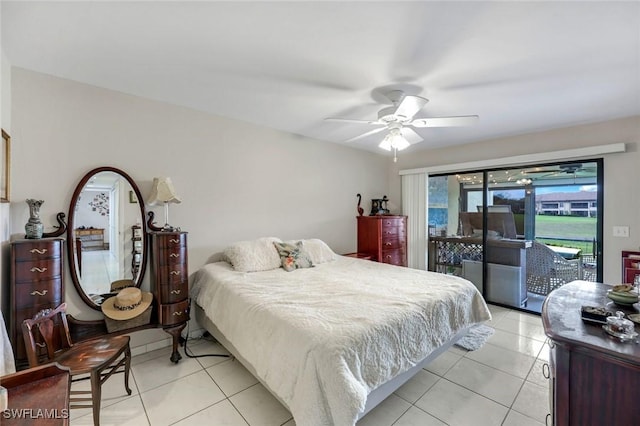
[
  {"x": 411, "y": 136},
  {"x": 464, "y": 120},
  {"x": 409, "y": 106},
  {"x": 364, "y": 135},
  {"x": 351, "y": 120}
]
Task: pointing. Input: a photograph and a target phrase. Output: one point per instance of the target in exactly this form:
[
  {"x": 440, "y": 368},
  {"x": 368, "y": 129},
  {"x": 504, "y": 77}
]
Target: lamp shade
[{"x": 163, "y": 192}]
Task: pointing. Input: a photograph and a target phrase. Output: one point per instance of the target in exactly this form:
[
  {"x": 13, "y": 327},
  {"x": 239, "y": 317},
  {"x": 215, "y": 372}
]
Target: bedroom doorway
[{"x": 538, "y": 227}]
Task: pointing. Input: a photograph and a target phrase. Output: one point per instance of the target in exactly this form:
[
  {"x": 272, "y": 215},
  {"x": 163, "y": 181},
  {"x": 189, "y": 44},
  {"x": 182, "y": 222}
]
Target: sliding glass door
[{"x": 518, "y": 233}]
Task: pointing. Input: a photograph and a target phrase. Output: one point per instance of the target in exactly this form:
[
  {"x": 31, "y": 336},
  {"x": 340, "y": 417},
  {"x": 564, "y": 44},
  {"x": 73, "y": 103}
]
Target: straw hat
[{"x": 128, "y": 303}]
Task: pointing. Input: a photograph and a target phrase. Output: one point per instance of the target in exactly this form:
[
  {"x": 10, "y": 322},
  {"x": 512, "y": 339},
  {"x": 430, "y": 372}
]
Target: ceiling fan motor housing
[{"x": 388, "y": 115}]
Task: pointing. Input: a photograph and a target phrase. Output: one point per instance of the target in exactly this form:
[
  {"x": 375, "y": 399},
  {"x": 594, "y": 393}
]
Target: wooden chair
[
  {"x": 547, "y": 270},
  {"x": 47, "y": 339}
]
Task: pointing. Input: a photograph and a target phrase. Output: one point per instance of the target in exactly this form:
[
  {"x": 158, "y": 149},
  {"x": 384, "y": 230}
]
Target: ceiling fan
[
  {"x": 573, "y": 170},
  {"x": 399, "y": 119}
]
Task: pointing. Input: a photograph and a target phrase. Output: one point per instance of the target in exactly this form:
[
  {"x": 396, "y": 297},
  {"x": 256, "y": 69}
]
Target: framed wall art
[{"x": 5, "y": 163}]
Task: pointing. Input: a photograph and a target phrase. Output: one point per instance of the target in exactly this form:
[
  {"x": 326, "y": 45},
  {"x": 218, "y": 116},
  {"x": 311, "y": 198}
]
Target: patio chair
[
  {"x": 547, "y": 270},
  {"x": 589, "y": 267}
]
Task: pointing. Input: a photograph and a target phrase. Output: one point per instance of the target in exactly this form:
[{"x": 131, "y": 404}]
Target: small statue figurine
[
  {"x": 384, "y": 202},
  {"x": 360, "y": 209},
  {"x": 34, "y": 227}
]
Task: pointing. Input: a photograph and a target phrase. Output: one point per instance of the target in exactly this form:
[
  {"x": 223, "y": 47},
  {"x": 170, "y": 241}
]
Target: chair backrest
[
  {"x": 46, "y": 334},
  {"x": 540, "y": 259},
  {"x": 543, "y": 261}
]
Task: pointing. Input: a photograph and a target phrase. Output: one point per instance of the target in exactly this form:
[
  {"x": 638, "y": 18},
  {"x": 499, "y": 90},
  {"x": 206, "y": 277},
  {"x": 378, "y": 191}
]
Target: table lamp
[{"x": 163, "y": 192}]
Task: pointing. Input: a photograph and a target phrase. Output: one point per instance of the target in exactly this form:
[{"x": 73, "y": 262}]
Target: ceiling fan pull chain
[{"x": 395, "y": 154}]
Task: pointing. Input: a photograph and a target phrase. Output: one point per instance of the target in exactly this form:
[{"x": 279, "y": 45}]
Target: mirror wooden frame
[{"x": 71, "y": 255}]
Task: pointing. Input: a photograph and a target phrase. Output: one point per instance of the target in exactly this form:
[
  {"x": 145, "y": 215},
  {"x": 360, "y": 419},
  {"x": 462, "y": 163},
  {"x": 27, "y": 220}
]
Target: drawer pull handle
[
  {"x": 41, "y": 345},
  {"x": 43, "y": 251},
  {"x": 41, "y": 270},
  {"x": 174, "y": 255},
  {"x": 37, "y": 293},
  {"x": 387, "y": 244},
  {"x": 177, "y": 313},
  {"x": 175, "y": 272},
  {"x": 175, "y": 291},
  {"x": 174, "y": 240},
  {"x": 546, "y": 372}
]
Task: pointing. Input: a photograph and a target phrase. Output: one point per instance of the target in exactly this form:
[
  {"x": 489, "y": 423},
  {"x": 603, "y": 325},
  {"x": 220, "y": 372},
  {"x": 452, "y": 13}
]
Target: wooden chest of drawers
[
  {"x": 170, "y": 282},
  {"x": 384, "y": 238},
  {"x": 36, "y": 284}
]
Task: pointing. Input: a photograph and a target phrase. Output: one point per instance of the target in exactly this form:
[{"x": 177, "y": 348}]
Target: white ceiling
[{"x": 522, "y": 67}]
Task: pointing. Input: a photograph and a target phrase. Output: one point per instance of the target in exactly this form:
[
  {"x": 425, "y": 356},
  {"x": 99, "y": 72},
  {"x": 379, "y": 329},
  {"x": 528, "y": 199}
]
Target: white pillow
[
  {"x": 254, "y": 255},
  {"x": 318, "y": 250}
]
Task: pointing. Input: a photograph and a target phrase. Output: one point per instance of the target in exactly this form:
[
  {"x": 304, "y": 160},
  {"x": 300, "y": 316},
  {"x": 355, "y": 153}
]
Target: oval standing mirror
[{"x": 106, "y": 242}]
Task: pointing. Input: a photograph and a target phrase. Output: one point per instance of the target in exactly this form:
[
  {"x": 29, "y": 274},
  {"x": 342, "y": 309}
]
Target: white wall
[
  {"x": 621, "y": 173},
  {"x": 5, "y": 123},
  {"x": 237, "y": 181},
  {"x": 240, "y": 181}
]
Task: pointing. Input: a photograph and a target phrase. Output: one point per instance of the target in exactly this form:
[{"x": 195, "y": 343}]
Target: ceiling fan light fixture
[
  {"x": 394, "y": 140},
  {"x": 400, "y": 143},
  {"x": 386, "y": 143}
]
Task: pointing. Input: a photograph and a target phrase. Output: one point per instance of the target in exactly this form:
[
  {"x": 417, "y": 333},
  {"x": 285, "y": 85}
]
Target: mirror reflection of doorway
[
  {"x": 97, "y": 233},
  {"x": 554, "y": 210}
]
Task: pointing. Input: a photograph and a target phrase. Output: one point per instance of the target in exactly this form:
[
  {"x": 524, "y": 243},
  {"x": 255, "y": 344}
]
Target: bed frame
[{"x": 374, "y": 398}]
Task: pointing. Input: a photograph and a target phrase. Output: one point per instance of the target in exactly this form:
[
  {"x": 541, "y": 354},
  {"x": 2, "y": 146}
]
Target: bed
[{"x": 333, "y": 340}]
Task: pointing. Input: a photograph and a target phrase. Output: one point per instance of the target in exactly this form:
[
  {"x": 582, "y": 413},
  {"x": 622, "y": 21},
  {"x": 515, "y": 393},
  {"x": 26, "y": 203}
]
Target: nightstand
[
  {"x": 169, "y": 283},
  {"x": 364, "y": 256}
]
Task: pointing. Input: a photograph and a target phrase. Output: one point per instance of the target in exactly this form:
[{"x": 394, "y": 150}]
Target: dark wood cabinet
[
  {"x": 630, "y": 266},
  {"x": 36, "y": 284},
  {"x": 136, "y": 250},
  {"x": 40, "y": 394},
  {"x": 384, "y": 238},
  {"x": 170, "y": 283},
  {"x": 594, "y": 377}
]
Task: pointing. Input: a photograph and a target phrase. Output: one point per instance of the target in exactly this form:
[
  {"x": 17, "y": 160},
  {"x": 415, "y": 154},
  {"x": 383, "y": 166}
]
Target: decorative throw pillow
[
  {"x": 254, "y": 255},
  {"x": 319, "y": 251},
  {"x": 293, "y": 256}
]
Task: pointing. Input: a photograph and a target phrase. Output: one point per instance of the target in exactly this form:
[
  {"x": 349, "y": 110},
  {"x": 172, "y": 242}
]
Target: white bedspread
[{"x": 322, "y": 338}]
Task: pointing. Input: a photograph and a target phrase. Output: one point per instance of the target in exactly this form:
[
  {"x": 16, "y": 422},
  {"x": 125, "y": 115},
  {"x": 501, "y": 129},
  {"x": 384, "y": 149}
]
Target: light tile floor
[
  {"x": 99, "y": 269},
  {"x": 499, "y": 384}
]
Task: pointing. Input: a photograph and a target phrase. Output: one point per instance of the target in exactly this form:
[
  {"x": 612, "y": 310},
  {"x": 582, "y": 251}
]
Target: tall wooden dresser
[
  {"x": 36, "y": 283},
  {"x": 169, "y": 283},
  {"x": 384, "y": 238}
]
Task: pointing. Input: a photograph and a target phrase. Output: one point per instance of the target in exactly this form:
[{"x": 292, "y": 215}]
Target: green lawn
[{"x": 567, "y": 227}]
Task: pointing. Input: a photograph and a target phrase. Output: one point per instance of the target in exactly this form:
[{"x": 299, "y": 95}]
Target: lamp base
[
  {"x": 167, "y": 227},
  {"x": 152, "y": 226}
]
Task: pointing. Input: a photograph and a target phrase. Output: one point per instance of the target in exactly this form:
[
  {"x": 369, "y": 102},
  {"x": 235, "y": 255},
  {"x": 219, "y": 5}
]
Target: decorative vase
[{"x": 34, "y": 226}]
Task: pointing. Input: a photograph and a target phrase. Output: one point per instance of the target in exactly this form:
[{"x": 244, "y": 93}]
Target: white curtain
[
  {"x": 414, "y": 206},
  {"x": 7, "y": 363}
]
